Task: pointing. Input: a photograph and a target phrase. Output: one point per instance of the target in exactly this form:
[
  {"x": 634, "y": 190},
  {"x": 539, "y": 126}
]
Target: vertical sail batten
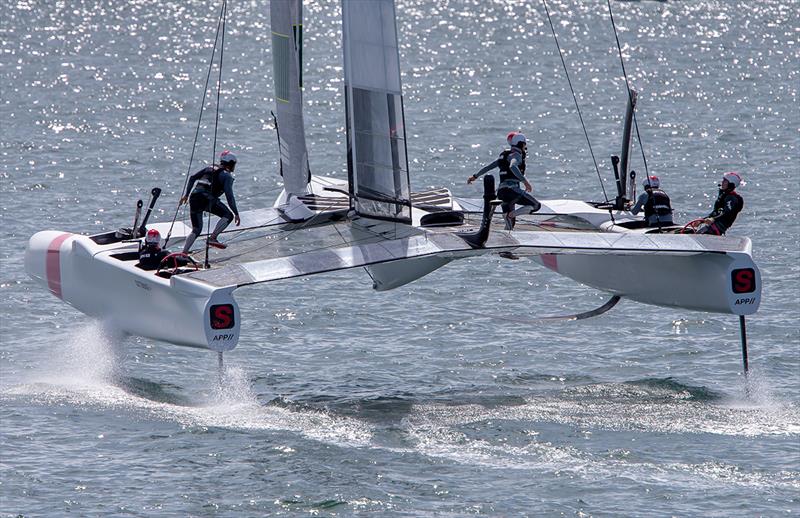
[
  {"x": 376, "y": 139},
  {"x": 287, "y": 30}
]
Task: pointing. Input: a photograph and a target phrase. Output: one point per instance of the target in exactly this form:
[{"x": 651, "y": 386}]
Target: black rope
[
  {"x": 577, "y": 107},
  {"x": 199, "y": 121},
  {"x": 219, "y": 80},
  {"x": 628, "y": 87},
  {"x": 223, "y": 17}
]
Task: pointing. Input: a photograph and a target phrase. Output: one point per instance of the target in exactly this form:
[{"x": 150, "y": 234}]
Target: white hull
[
  {"x": 138, "y": 302},
  {"x": 702, "y": 273},
  {"x": 701, "y": 282}
]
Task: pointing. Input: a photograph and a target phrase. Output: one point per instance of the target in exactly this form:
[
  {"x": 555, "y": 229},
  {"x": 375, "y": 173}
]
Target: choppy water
[{"x": 340, "y": 400}]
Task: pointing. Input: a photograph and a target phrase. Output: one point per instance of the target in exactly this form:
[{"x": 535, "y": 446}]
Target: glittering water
[{"x": 341, "y": 400}]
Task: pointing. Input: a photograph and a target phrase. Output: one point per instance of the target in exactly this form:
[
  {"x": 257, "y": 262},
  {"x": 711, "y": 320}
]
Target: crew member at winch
[
  {"x": 211, "y": 182},
  {"x": 655, "y": 202},
  {"x": 511, "y": 164},
  {"x": 726, "y": 207}
]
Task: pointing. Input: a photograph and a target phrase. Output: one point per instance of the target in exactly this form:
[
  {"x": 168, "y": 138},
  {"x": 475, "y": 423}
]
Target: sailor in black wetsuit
[
  {"x": 511, "y": 164},
  {"x": 151, "y": 254},
  {"x": 655, "y": 202},
  {"x": 211, "y": 183},
  {"x": 726, "y": 207}
]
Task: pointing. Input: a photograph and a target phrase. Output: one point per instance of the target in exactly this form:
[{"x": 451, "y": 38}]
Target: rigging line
[
  {"x": 344, "y": 242},
  {"x": 216, "y": 120},
  {"x": 628, "y": 87},
  {"x": 197, "y": 130},
  {"x": 325, "y": 247},
  {"x": 260, "y": 193},
  {"x": 574, "y": 98},
  {"x": 219, "y": 78},
  {"x": 288, "y": 234}
]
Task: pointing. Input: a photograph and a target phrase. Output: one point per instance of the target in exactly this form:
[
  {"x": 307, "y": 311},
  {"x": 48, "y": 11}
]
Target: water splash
[{"x": 90, "y": 356}]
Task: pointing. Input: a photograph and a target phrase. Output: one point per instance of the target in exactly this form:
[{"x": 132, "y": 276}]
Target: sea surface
[{"x": 443, "y": 397}]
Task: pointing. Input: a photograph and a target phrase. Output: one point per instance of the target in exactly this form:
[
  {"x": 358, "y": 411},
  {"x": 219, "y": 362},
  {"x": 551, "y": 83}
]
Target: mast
[
  {"x": 287, "y": 47},
  {"x": 377, "y": 160}
]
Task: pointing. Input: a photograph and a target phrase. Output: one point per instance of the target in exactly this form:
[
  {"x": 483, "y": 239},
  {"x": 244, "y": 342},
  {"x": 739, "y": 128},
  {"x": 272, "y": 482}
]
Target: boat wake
[
  {"x": 649, "y": 405},
  {"x": 531, "y": 435},
  {"x": 87, "y": 372},
  {"x": 442, "y": 441}
]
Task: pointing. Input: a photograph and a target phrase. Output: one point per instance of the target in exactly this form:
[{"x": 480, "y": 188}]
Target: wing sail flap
[{"x": 376, "y": 138}]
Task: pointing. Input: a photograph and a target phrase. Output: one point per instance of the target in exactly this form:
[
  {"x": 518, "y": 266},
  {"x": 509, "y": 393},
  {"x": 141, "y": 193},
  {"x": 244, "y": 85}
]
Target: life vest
[
  {"x": 504, "y": 164},
  {"x": 210, "y": 181},
  {"x": 658, "y": 205}
]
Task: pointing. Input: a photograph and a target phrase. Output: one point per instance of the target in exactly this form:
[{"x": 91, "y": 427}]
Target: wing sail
[
  {"x": 287, "y": 47},
  {"x": 376, "y": 138}
]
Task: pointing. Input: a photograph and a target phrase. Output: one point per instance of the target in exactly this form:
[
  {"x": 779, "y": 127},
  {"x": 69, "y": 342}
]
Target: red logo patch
[
  {"x": 743, "y": 280},
  {"x": 222, "y": 316}
]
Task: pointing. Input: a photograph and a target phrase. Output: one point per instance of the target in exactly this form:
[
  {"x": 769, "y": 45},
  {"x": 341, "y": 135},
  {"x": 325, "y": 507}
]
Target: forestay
[
  {"x": 376, "y": 142},
  {"x": 287, "y": 46}
]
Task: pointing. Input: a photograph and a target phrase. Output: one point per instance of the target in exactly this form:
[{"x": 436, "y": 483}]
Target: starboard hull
[{"x": 713, "y": 282}]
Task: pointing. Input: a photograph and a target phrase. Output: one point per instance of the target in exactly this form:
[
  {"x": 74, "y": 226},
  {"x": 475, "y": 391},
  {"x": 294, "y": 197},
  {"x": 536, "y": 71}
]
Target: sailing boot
[{"x": 212, "y": 241}]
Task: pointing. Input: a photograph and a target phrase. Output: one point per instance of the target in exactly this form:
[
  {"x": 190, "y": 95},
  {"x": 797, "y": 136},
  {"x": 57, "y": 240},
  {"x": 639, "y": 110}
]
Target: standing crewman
[
  {"x": 655, "y": 202},
  {"x": 727, "y": 206},
  {"x": 211, "y": 182},
  {"x": 511, "y": 164}
]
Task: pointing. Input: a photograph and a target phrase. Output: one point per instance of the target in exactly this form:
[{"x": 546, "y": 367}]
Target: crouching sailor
[
  {"x": 151, "y": 254},
  {"x": 209, "y": 184},
  {"x": 727, "y": 206},
  {"x": 655, "y": 202},
  {"x": 511, "y": 164}
]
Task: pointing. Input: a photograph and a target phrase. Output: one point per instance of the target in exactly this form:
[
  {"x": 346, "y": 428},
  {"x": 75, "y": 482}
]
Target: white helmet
[
  {"x": 517, "y": 139},
  {"x": 226, "y": 157},
  {"x": 651, "y": 181},
  {"x": 733, "y": 179}
]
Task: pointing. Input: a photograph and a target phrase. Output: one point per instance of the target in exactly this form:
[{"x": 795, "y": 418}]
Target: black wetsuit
[
  {"x": 726, "y": 208},
  {"x": 150, "y": 257},
  {"x": 211, "y": 183},
  {"x": 511, "y": 164}
]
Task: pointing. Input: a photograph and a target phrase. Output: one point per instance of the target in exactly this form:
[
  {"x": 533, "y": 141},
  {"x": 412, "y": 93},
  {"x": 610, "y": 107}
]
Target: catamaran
[{"x": 374, "y": 220}]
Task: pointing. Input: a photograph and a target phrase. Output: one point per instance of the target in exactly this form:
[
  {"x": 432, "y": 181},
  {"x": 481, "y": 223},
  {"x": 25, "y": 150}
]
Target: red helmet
[
  {"x": 510, "y": 136},
  {"x": 153, "y": 237}
]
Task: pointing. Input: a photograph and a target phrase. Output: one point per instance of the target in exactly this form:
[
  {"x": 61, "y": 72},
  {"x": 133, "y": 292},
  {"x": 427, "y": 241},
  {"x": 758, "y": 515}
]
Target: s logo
[
  {"x": 743, "y": 280},
  {"x": 222, "y": 316}
]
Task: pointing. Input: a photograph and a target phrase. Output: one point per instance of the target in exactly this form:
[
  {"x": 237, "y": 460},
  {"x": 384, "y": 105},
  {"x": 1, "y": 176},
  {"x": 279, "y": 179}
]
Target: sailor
[
  {"x": 211, "y": 182},
  {"x": 727, "y": 206},
  {"x": 655, "y": 202},
  {"x": 151, "y": 254},
  {"x": 511, "y": 164}
]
